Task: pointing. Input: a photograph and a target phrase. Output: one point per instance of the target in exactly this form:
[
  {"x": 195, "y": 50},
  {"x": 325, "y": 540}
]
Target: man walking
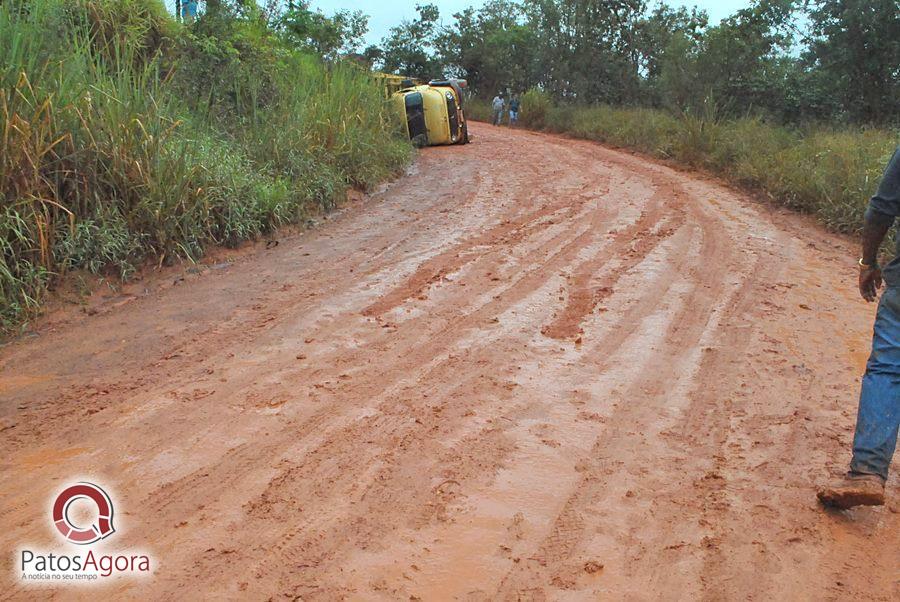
[
  {"x": 879, "y": 402},
  {"x": 497, "y": 107},
  {"x": 513, "y": 110}
]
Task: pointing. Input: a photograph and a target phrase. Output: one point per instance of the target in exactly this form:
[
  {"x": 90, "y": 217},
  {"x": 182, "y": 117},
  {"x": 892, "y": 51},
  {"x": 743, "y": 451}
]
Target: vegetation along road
[{"x": 532, "y": 368}]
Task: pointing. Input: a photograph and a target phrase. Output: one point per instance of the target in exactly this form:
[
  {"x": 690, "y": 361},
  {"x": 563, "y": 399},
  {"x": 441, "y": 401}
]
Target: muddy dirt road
[{"x": 532, "y": 369}]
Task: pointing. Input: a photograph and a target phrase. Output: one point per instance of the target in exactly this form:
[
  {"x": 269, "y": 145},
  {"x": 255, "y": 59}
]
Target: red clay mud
[{"x": 532, "y": 369}]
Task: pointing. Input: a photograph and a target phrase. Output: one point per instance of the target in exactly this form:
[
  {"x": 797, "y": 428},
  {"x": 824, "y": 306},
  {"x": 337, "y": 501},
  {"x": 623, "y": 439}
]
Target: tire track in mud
[
  {"x": 555, "y": 562},
  {"x": 367, "y": 427},
  {"x": 506, "y": 233},
  {"x": 630, "y": 265},
  {"x": 357, "y": 429},
  {"x": 585, "y": 297}
]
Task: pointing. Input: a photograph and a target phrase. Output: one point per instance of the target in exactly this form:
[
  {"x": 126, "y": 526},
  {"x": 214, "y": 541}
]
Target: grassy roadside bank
[
  {"x": 129, "y": 137},
  {"x": 828, "y": 172}
]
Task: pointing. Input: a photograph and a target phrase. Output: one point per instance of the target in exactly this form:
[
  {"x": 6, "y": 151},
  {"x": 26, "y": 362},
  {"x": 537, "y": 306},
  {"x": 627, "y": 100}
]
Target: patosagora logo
[
  {"x": 58, "y": 566},
  {"x": 74, "y": 533}
]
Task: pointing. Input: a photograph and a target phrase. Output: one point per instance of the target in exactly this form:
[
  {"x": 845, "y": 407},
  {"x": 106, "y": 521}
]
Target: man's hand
[
  {"x": 869, "y": 283},
  {"x": 875, "y": 229}
]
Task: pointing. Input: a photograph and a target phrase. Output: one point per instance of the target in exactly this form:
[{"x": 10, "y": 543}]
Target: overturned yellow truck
[{"x": 433, "y": 112}]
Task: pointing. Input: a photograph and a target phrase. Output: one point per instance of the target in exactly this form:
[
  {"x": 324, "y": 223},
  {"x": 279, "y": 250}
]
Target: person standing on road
[
  {"x": 497, "y": 108},
  {"x": 878, "y": 418},
  {"x": 188, "y": 10},
  {"x": 513, "y": 110}
]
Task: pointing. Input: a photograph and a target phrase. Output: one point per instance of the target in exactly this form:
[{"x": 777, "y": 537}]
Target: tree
[
  {"x": 372, "y": 54},
  {"x": 409, "y": 49},
  {"x": 741, "y": 64},
  {"x": 676, "y": 84},
  {"x": 655, "y": 32},
  {"x": 586, "y": 50},
  {"x": 854, "y": 49},
  {"x": 493, "y": 48},
  {"x": 329, "y": 37}
]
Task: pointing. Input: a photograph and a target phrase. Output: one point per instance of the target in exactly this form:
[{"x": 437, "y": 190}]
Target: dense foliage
[
  {"x": 787, "y": 60},
  {"x": 128, "y": 135}
]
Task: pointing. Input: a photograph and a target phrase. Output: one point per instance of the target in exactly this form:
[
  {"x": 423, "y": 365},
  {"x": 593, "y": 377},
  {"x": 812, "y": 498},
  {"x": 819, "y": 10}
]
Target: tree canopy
[{"x": 788, "y": 59}]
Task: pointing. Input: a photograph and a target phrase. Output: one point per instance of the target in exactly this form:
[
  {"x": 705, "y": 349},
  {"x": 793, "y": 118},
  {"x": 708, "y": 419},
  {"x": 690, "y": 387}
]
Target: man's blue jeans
[{"x": 879, "y": 401}]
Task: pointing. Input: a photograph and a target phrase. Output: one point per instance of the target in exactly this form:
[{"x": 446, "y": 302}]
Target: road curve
[{"x": 533, "y": 368}]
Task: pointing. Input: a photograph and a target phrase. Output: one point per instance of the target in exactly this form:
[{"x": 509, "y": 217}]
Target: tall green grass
[
  {"x": 113, "y": 152},
  {"x": 829, "y": 172},
  {"x": 478, "y": 109}
]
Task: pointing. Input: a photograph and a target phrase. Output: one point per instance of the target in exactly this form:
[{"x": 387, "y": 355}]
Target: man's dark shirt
[
  {"x": 884, "y": 208},
  {"x": 514, "y": 105}
]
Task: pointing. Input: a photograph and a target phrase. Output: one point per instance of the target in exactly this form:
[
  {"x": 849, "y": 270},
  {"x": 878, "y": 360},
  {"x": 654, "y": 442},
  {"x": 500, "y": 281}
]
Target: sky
[{"x": 385, "y": 14}]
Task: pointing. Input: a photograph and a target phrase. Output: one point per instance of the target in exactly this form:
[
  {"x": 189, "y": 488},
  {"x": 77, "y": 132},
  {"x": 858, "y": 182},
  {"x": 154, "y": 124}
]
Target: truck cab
[{"x": 433, "y": 112}]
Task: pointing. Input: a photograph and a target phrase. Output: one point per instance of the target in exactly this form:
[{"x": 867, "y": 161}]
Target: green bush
[
  {"x": 129, "y": 136},
  {"x": 478, "y": 109},
  {"x": 534, "y": 108}
]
